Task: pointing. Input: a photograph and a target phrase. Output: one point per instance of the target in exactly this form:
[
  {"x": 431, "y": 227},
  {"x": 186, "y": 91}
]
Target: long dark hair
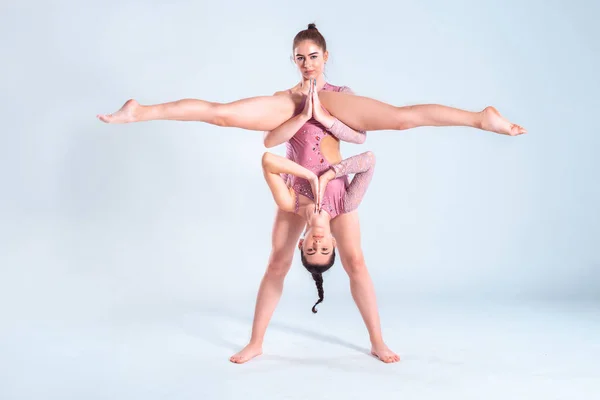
[{"x": 317, "y": 273}]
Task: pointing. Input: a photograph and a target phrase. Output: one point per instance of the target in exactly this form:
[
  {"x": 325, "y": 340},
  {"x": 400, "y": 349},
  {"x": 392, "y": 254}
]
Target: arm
[
  {"x": 274, "y": 165},
  {"x": 363, "y": 166},
  {"x": 345, "y": 133},
  {"x": 336, "y": 127},
  {"x": 285, "y": 131}
]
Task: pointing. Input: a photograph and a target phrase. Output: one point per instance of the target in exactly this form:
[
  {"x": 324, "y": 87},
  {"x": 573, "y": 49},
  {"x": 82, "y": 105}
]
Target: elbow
[
  {"x": 268, "y": 143},
  {"x": 372, "y": 158},
  {"x": 268, "y": 140},
  {"x": 266, "y": 160}
]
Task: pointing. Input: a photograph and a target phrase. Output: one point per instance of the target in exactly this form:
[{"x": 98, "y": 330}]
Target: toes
[
  {"x": 517, "y": 130},
  {"x": 388, "y": 359}
]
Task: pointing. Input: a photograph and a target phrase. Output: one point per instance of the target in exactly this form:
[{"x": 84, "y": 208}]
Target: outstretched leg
[
  {"x": 286, "y": 232},
  {"x": 346, "y": 230},
  {"x": 366, "y": 114},
  {"x": 263, "y": 113}
]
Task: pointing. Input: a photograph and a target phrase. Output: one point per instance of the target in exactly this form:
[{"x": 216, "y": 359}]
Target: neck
[{"x": 320, "y": 220}]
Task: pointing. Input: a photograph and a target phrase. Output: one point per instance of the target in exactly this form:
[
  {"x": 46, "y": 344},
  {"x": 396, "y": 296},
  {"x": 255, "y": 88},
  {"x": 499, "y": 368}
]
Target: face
[
  {"x": 317, "y": 245},
  {"x": 310, "y": 59}
]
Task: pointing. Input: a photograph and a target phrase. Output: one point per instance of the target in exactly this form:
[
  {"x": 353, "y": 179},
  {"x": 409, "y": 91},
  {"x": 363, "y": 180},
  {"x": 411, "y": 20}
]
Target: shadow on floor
[{"x": 211, "y": 334}]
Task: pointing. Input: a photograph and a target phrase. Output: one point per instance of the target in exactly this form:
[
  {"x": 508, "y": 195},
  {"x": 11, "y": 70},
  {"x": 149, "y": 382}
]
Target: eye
[
  {"x": 299, "y": 58},
  {"x": 313, "y": 57}
]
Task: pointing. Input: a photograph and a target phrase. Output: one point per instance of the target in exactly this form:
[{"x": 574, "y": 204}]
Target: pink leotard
[{"x": 304, "y": 148}]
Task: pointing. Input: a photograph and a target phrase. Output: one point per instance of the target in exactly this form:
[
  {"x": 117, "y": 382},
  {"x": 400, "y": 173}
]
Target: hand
[
  {"x": 307, "y": 112},
  {"x": 314, "y": 184},
  {"x": 319, "y": 112},
  {"x": 323, "y": 181}
]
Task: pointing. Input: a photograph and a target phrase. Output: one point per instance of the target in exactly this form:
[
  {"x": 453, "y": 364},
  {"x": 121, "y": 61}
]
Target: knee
[
  {"x": 405, "y": 118},
  {"x": 355, "y": 265},
  {"x": 221, "y": 115},
  {"x": 278, "y": 268}
]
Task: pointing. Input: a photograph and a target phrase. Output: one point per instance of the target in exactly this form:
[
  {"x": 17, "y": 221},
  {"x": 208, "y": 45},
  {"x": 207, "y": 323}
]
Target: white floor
[{"x": 180, "y": 351}]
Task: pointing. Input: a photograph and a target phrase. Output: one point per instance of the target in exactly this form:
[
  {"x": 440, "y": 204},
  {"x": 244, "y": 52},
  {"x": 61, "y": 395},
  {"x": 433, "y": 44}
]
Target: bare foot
[
  {"x": 492, "y": 121},
  {"x": 382, "y": 352},
  {"x": 247, "y": 354},
  {"x": 127, "y": 113}
]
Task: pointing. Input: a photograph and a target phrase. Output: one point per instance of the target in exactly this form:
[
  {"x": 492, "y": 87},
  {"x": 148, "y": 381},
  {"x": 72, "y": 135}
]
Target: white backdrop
[{"x": 95, "y": 217}]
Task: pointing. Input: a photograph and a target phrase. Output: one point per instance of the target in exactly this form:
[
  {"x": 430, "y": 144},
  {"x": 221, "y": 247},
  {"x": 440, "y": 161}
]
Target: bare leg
[
  {"x": 286, "y": 232},
  {"x": 266, "y": 113},
  {"x": 262, "y": 113},
  {"x": 346, "y": 230},
  {"x": 366, "y": 114}
]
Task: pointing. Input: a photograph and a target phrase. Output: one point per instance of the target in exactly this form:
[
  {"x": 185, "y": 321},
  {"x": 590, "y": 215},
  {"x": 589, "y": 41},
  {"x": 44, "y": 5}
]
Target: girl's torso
[{"x": 316, "y": 149}]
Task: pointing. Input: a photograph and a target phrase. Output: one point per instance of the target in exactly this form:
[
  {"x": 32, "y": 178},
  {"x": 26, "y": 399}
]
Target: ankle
[
  {"x": 481, "y": 116},
  {"x": 255, "y": 343},
  {"x": 478, "y": 119},
  {"x": 143, "y": 113}
]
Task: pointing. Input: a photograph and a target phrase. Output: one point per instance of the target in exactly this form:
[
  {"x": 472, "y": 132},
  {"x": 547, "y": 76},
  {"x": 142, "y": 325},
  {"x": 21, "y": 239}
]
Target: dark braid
[
  {"x": 317, "y": 273},
  {"x": 318, "y": 277}
]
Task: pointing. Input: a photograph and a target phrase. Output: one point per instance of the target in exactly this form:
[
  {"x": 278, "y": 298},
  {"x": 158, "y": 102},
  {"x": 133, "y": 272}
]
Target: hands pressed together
[
  {"x": 318, "y": 185},
  {"x": 314, "y": 109}
]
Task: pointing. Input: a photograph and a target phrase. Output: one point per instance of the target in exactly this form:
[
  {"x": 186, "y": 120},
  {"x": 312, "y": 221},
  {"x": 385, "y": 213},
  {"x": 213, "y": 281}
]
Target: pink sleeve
[
  {"x": 344, "y": 132},
  {"x": 363, "y": 166}
]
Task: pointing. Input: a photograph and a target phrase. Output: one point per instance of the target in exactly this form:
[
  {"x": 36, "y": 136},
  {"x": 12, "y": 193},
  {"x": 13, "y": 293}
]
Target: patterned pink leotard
[{"x": 304, "y": 148}]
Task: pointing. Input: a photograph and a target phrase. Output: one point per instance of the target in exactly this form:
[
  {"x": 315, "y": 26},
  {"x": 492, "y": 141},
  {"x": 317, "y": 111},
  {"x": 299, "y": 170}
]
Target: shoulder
[
  {"x": 289, "y": 91},
  {"x": 341, "y": 89}
]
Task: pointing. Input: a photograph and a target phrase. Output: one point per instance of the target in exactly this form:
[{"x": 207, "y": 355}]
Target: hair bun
[{"x": 312, "y": 26}]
